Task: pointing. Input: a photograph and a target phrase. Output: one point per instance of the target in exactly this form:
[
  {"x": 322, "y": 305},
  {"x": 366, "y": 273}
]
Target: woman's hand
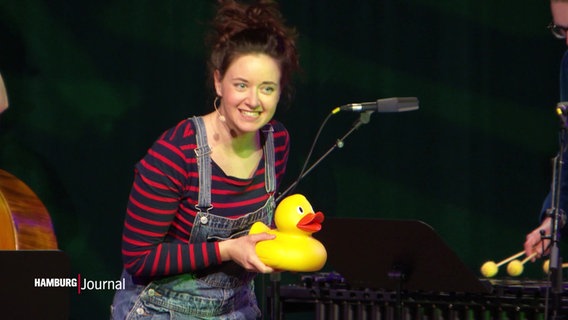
[
  {"x": 534, "y": 242},
  {"x": 242, "y": 251}
]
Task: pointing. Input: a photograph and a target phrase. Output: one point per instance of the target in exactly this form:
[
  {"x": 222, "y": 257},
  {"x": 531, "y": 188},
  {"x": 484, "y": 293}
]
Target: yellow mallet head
[
  {"x": 489, "y": 269},
  {"x": 515, "y": 268}
]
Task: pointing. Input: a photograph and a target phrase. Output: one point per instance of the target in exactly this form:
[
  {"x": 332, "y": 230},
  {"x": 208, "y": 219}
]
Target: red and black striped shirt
[{"x": 161, "y": 206}]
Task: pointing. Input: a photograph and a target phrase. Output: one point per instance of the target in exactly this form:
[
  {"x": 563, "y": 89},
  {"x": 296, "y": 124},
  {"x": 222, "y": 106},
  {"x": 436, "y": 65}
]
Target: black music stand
[
  {"x": 21, "y": 296},
  {"x": 395, "y": 255}
]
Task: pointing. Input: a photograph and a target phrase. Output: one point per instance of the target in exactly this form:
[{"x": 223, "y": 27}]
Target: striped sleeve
[
  {"x": 153, "y": 203},
  {"x": 281, "y": 149}
]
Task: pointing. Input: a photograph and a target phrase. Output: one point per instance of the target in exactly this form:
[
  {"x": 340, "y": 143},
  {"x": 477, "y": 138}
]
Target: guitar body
[{"x": 25, "y": 223}]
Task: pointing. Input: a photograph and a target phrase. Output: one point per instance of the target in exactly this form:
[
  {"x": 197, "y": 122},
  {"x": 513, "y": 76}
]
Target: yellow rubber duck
[{"x": 294, "y": 248}]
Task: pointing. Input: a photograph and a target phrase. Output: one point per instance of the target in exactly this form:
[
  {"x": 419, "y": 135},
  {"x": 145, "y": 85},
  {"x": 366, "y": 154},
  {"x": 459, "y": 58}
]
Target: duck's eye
[{"x": 300, "y": 210}]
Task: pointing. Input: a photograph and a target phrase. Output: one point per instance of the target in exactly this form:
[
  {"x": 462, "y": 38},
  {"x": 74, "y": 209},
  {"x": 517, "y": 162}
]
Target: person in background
[
  {"x": 3, "y": 96},
  {"x": 534, "y": 242},
  {"x": 185, "y": 246}
]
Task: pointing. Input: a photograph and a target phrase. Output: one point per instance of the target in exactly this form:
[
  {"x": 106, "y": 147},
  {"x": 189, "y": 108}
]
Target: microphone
[{"x": 382, "y": 105}]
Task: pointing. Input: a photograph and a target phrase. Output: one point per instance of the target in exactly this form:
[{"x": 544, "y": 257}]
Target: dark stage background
[{"x": 93, "y": 83}]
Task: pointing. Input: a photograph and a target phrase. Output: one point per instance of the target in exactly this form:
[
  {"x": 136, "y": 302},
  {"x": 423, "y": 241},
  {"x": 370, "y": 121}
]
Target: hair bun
[{"x": 233, "y": 18}]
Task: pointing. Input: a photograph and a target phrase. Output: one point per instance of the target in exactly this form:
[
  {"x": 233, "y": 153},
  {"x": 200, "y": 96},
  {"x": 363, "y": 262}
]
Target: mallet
[{"x": 490, "y": 268}]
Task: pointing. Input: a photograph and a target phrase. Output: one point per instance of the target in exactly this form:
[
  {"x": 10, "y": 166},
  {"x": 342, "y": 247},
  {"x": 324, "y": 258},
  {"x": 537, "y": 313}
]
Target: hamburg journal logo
[{"x": 80, "y": 283}]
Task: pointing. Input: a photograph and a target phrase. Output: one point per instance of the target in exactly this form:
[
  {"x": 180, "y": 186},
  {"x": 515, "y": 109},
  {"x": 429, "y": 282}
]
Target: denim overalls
[{"x": 221, "y": 292}]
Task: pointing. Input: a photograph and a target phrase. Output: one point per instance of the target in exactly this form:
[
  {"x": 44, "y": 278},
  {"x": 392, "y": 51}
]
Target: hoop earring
[{"x": 215, "y": 103}]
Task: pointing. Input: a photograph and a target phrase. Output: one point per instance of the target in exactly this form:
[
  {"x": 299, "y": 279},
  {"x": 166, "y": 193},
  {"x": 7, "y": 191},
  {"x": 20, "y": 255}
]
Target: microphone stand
[
  {"x": 364, "y": 118},
  {"x": 557, "y": 222},
  {"x": 276, "y": 311}
]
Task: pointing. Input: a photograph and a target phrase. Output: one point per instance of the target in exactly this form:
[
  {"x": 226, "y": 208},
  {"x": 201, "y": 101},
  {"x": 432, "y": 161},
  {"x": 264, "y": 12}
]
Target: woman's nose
[{"x": 252, "y": 99}]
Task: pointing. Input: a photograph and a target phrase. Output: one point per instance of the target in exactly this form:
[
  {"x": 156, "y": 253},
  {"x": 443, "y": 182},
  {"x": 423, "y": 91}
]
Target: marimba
[{"x": 328, "y": 297}]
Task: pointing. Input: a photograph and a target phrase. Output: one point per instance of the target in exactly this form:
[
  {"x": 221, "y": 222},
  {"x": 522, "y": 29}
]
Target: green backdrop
[{"x": 93, "y": 83}]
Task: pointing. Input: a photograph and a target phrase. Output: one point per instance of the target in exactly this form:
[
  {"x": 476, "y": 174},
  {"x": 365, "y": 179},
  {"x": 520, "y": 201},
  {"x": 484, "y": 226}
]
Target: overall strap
[
  {"x": 269, "y": 159},
  {"x": 203, "y": 155}
]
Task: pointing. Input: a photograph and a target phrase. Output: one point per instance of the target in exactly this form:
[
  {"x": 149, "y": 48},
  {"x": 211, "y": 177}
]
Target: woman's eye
[{"x": 268, "y": 90}]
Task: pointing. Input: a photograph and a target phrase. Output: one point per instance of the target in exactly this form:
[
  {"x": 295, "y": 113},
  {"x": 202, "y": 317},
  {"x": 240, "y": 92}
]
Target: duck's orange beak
[{"x": 311, "y": 222}]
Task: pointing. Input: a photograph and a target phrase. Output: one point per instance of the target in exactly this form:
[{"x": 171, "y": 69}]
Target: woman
[{"x": 205, "y": 181}]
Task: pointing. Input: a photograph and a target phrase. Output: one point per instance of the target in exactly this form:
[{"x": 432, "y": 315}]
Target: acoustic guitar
[{"x": 25, "y": 223}]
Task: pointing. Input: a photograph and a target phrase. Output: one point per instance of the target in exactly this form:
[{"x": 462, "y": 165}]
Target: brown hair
[{"x": 240, "y": 29}]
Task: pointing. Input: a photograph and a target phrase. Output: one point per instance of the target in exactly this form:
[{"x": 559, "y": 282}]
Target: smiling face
[{"x": 249, "y": 91}]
